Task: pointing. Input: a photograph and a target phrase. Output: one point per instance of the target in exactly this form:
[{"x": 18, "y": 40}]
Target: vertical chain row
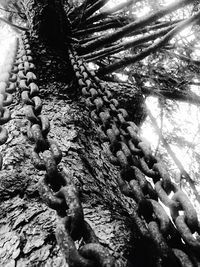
[
  {"x": 8, "y": 80},
  {"x": 57, "y": 189},
  {"x": 133, "y": 155}
]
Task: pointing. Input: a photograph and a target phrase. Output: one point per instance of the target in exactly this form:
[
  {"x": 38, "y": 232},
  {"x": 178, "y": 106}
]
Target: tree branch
[
  {"x": 188, "y": 96},
  {"x": 140, "y": 23},
  {"x": 154, "y": 27},
  {"x": 104, "y": 14},
  {"x": 96, "y": 6},
  {"x": 132, "y": 59},
  {"x": 187, "y": 59},
  {"x": 12, "y": 11},
  {"x": 14, "y": 25},
  {"x": 126, "y": 45},
  {"x": 91, "y": 10},
  {"x": 102, "y": 26}
]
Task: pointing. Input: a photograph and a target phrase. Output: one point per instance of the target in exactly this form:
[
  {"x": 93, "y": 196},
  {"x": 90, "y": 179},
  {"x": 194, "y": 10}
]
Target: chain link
[
  {"x": 57, "y": 188},
  {"x": 176, "y": 239},
  {"x": 134, "y": 156}
]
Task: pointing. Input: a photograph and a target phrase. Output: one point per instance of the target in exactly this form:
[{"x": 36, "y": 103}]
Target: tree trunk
[{"x": 27, "y": 225}]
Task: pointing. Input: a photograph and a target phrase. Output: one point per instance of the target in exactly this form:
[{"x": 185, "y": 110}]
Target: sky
[{"x": 7, "y": 35}]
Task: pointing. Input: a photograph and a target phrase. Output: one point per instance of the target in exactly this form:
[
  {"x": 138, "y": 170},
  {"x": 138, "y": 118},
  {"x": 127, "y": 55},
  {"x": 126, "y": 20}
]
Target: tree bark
[{"x": 27, "y": 225}]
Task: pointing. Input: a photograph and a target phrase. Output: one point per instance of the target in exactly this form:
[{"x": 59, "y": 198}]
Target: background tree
[{"x": 153, "y": 58}]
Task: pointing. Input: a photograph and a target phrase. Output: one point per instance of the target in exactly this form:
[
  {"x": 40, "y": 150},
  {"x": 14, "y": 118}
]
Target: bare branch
[
  {"x": 152, "y": 48},
  {"x": 14, "y": 25},
  {"x": 126, "y": 44},
  {"x": 184, "y": 96},
  {"x": 91, "y": 10},
  {"x": 12, "y": 11},
  {"x": 102, "y": 26},
  {"x": 104, "y": 14},
  {"x": 187, "y": 59},
  {"x": 140, "y": 23}
]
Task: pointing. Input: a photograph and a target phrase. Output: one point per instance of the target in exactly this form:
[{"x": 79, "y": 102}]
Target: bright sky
[
  {"x": 168, "y": 2},
  {"x": 187, "y": 123},
  {"x": 142, "y": 12},
  {"x": 6, "y": 46},
  {"x": 113, "y": 3}
]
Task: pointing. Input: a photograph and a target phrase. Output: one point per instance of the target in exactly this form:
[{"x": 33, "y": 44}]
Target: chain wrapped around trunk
[
  {"x": 176, "y": 241},
  {"x": 8, "y": 80},
  {"x": 57, "y": 189}
]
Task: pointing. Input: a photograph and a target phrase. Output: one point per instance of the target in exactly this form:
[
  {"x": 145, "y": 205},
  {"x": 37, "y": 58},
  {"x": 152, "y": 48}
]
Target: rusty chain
[
  {"x": 8, "y": 80},
  {"x": 57, "y": 188},
  {"x": 177, "y": 240},
  {"x": 127, "y": 149}
]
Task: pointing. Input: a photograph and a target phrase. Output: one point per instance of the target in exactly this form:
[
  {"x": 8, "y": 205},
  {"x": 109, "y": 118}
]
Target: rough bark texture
[{"x": 27, "y": 226}]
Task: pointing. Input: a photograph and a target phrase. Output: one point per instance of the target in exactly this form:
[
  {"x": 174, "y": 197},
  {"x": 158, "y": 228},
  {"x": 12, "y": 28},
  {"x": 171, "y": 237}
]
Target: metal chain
[
  {"x": 8, "y": 80},
  {"x": 177, "y": 241},
  {"x": 127, "y": 149},
  {"x": 57, "y": 189}
]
